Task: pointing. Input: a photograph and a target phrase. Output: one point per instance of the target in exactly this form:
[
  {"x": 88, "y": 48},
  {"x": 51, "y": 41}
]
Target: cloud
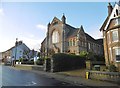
[
  {"x": 32, "y": 43},
  {"x": 1, "y": 11},
  {"x": 41, "y": 27},
  {"x": 31, "y": 36},
  {"x": 6, "y": 44}
]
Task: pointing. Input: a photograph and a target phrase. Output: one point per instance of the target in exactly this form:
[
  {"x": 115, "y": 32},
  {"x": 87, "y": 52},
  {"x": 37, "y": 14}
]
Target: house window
[
  {"x": 118, "y": 20},
  {"x": 117, "y": 54},
  {"x": 115, "y": 35},
  {"x": 55, "y": 37},
  {"x": 89, "y": 45},
  {"x": 108, "y": 37}
]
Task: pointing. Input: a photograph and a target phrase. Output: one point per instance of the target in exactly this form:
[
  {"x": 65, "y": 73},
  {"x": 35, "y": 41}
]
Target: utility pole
[{"x": 15, "y": 51}]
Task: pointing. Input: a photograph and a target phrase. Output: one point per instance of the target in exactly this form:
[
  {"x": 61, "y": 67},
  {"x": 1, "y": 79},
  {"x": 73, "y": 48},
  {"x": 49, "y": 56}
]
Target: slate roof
[
  {"x": 73, "y": 32},
  {"x": 99, "y": 41},
  {"x": 89, "y": 38}
]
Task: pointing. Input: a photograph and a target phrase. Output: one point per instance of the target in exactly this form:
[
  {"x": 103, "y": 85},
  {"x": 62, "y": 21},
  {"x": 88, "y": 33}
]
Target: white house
[{"x": 20, "y": 51}]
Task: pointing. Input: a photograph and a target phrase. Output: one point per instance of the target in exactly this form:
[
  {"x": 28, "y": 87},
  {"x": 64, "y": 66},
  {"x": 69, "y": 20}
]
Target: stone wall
[{"x": 105, "y": 76}]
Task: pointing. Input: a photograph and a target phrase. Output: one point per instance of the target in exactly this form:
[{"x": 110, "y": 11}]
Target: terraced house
[
  {"x": 63, "y": 38},
  {"x": 111, "y": 35}
]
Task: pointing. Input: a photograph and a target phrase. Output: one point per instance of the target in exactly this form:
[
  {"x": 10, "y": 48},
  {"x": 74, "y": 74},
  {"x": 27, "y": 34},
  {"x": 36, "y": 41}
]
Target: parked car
[{"x": 7, "y": 63}]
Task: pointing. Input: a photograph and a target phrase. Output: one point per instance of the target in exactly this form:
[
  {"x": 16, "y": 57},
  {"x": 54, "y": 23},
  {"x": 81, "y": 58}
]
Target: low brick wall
[
  {"x": 105, "y": 76},
  {"x": 38, "y": 68}
]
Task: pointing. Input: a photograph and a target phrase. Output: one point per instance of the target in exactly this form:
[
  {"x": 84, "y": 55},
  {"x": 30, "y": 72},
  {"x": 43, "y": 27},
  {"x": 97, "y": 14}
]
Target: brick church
[{"x": 63, "y": 38}]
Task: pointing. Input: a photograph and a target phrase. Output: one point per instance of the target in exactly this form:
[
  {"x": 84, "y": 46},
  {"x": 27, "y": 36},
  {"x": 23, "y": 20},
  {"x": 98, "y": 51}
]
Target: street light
[{"x": 15, "y": 50}]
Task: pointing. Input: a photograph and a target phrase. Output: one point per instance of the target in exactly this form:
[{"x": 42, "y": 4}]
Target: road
[{"x": 14, "y": 77}]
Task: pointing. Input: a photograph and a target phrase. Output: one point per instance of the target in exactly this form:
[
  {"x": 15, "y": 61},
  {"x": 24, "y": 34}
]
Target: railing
[{"x": 105, "y": 76}]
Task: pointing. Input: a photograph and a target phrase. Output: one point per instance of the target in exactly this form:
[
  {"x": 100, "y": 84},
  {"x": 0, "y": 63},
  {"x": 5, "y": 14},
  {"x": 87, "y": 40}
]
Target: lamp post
[{"x": 15, "y": 51}]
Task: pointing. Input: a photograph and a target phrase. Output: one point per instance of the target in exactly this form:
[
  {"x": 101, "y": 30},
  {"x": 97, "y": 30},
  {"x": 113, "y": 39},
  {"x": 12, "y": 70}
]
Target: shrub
[
  {"x": 20, "y": 59},
  {"x": 99, "y": 58},
  {"x": 16, "y": 60},
  {"x": 112, "y": 68},
  {"x": 24, "y": 60},
  {"x": 83, "y": 54},
  {"x": 40, "y": 61},
  {"x": 27, "y": 62},
  {"x": 32, "y": 60},
  {"x": 62, "y": 62}
]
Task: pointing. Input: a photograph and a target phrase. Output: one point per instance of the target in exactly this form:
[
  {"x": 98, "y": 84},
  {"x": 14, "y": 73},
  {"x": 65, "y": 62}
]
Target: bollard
[{"x": 87, "y": 75}]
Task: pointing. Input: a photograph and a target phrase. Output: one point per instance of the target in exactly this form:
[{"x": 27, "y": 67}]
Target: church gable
[
  {"x": 55, "y": 21},
  {"x": 81, "y": 33}
]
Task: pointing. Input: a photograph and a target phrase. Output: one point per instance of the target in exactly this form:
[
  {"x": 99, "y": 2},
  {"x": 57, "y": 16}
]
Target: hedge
[
  {"x": 40, "y": 62},
  {"x": 63, "y": 62},
  {"x": 27, "y": 62}
]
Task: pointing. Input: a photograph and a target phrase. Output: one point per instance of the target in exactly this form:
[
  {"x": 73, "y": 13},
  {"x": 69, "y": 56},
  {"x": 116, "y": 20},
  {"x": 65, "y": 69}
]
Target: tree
[
  {"x": 26, "y": 54},
  {"x": 83, "y": 54},
  {"x": 38, "y": 55},
  {"x": 87, "y": 55},
  {"x": 90, "y": 56}
]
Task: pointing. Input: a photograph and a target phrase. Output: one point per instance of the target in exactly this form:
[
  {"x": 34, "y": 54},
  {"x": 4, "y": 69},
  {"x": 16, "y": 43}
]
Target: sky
[{"x": 28, "y": 21}]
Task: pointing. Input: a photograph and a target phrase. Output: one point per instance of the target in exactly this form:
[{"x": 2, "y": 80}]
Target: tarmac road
[{"x": 14, "y": 77}]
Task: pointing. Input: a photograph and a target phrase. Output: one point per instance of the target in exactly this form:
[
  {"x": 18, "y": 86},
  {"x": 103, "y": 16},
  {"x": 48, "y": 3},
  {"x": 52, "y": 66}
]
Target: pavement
[{"x": 79, "y": 81}]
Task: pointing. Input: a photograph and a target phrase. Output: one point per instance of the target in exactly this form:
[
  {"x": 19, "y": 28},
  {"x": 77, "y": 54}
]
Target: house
[
  {"x": 63, "y": 38},
  {"x": 0, "y": 57},
  {"x": 20, "y": 51},
  {"x": 6, "y": 55},
  {"x": 16, "y": 52},
  {"x": 111, "y": 35}
]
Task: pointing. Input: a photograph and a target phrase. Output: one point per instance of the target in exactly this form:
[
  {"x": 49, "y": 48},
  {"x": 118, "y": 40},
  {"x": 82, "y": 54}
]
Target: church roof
[
  {"x": 88, "y": 37},
  {"x": 99, "y": 41},
  {"x": 72, "y": 31}
]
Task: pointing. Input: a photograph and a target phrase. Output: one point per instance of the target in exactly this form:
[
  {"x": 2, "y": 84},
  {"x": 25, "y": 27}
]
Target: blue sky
[{"x": 27, "y": 21}]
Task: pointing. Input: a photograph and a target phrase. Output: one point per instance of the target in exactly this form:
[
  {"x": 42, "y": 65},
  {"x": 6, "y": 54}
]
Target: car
[{"x": 8, "y": 63}]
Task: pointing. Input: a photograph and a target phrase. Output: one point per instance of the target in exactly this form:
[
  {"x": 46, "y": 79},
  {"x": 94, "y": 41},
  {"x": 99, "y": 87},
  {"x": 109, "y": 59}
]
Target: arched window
[
  {"x": 73, "y": 42},
  {"x": 55, "y": 37}
]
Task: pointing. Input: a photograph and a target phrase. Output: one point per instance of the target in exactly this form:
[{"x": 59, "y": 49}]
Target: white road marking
[{"x": 31, "y": 83}]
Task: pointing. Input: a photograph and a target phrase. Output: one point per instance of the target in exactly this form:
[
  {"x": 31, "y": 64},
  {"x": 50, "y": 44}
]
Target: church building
[{"x": 63, "y": 38}]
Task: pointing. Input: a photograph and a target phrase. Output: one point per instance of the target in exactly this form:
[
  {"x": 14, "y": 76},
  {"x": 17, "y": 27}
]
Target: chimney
[
  {"x": 20, "y": 42},
  {"x": 110, "y": 8}
]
